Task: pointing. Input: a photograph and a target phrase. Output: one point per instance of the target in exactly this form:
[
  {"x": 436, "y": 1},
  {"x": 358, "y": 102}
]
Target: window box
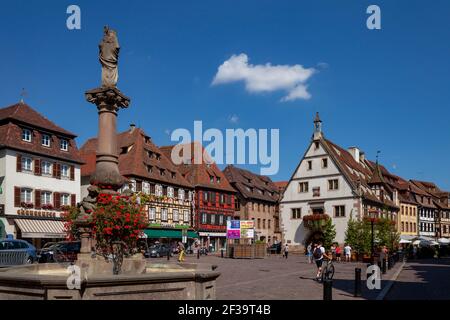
[{"x": 26, "y": 205}]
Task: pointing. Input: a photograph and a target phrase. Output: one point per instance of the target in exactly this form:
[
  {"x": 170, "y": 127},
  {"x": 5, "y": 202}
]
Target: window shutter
[
  {"x": 58, "y": 171},
  {"x": 16, "y": 197},
  {"x": 37, "y": 167},
  {"x": 73, "y": 199},
  {"x": 72, "y": 173},
  {"x": 57, "y": 200},
  {"x": 55, "y": 170},
  {"x": 37, "y": 199},
  {"x": 19, "y": 163}
]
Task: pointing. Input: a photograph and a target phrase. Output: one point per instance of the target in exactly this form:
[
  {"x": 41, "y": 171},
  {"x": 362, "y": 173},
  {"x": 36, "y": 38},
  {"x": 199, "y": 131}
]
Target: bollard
[
  {"x": 383, "y": 266},
  {"x": 389, "y": 263},
  {"x": 168, "y": 255},
  {"x": 357, "y": 282},
  {"x": 221, "y": 253},
  {"x": 198, "y": 254},
  {"x": 327, "y": 290}
]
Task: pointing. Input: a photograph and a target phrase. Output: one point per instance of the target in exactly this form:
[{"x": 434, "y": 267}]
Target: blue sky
[{"x": 382, "y": 89}]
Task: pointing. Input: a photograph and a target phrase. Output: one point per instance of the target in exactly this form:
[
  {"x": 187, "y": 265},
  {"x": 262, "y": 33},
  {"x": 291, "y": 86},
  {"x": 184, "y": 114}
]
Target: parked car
[
  {"x": 275, "y": 248},
  {"x": 18, "y": 246},
  {"x": 64, "y": 251},
  {"x": 158, "y": 250}
]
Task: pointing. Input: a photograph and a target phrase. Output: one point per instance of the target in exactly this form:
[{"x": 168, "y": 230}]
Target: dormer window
[
  {"x": 26, "y": 135},
  {"x": 158, "y": 157},
  {"x": 162, "y": 172},
  {"x": 174, "y": 175},
  {"x": 316, "y": 145},
  {"x": 211, "y": 179},
  {"x": 218, "y": 180},
  {"x": 150, "y": 169},
  {"x": 170, "y": 192},
  {"x": 64, "y": 145},
  {"x": 46, "y": 140}
]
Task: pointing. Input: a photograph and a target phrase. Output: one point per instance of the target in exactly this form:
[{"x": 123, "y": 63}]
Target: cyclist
[{"x": 318, "y": 254}]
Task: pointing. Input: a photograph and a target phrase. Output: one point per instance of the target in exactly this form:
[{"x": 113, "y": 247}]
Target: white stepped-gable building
[{"x": 330, "y": 180}]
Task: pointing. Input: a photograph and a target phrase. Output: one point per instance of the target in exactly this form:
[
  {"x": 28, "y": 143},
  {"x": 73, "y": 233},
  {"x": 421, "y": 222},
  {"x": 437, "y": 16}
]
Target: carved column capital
[{"x": 107, "y": 99}]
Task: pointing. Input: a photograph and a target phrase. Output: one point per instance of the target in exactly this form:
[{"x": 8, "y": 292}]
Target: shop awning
[
  {"x": 45, "y": 229},
  {"x": 168, "y": 233}
]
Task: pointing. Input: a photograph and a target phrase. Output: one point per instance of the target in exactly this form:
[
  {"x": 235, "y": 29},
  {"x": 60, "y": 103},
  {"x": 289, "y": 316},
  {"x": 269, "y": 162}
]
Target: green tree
[
  {"x": 386, "y": 234},
  {"x": 329, "y": 233},
  {"x": 358, "y": 235}
]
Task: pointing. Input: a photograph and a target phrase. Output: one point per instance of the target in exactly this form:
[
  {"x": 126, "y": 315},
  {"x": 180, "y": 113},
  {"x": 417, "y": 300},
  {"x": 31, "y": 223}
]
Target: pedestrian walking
[
  {"x": 309, "y": 252},
  {"x": 348, "y": 253},
  {"x": 333, "y": 251},
  {"x": 338, "y": 253},
  {"x": 180, "y": 252},
  {"x": 286, "y": 251}
]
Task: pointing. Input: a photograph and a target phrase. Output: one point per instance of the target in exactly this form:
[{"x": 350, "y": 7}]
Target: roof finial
[
  {"x": 378, "y": 152},
  {"x": 23, "y": 94},
  {"x": 317, "y": 127}
]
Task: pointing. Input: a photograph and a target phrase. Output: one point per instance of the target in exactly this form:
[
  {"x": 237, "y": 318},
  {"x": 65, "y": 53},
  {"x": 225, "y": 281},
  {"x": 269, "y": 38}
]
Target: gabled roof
[
  {"x": 22, "y": 112},
  {"x": 134, "y": 149},
  {"x": 251, "y": 185},
  {"x": 13, "y": 118},
  {"x": 356, "y": 173},
  {"x": 198, "y": 174}
]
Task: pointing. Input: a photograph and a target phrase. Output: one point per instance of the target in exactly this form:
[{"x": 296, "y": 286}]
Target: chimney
[
  {"x": 354, "y": 151},
  {"x": 132, "y": 127}
]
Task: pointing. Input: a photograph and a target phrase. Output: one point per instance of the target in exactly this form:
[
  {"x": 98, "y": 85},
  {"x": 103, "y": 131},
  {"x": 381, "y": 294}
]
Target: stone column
[{"x": 108, "y": 101}]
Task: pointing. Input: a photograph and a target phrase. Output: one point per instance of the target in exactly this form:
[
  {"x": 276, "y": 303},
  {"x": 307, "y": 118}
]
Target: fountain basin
[{"x": 160, "y": 281}]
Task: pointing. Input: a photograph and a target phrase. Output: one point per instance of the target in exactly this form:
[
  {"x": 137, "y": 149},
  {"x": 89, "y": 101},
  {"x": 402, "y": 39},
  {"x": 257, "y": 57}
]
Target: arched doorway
[{"x": 314, "y": 237}]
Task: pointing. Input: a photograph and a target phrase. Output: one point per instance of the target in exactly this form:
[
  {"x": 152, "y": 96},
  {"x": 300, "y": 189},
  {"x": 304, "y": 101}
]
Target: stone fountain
[{"x": 91, "y": 277}]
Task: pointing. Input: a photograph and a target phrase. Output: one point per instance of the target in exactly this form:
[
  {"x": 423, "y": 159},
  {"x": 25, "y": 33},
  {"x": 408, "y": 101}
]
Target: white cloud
[
  {"x": 265, "y": 78},
  {"x": 234, "y": 119}
]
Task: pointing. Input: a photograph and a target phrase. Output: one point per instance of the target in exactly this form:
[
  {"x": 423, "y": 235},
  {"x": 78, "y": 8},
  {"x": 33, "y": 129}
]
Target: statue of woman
[{"x": 109, "y": 57}]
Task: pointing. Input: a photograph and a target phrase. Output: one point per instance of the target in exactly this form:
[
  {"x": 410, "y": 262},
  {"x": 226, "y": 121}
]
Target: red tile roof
[
  {"x": 251, "y": 185},
  {"x": 356, "y": 173},
  {"x": 14, "y": 118},
  {"x": 24, "y": 113},
  {"x": 134, "y": 149},
  {"x": 199, "y": 174}
]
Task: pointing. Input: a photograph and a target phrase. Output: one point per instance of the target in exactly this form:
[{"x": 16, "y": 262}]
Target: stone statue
[
  {"x": 109, "y": 57},
  {"x": 89, "y": 203}
]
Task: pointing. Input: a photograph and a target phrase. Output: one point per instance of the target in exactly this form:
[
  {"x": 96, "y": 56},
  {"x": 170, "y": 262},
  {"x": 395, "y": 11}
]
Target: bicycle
[{"x": 327, "y": 270}]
